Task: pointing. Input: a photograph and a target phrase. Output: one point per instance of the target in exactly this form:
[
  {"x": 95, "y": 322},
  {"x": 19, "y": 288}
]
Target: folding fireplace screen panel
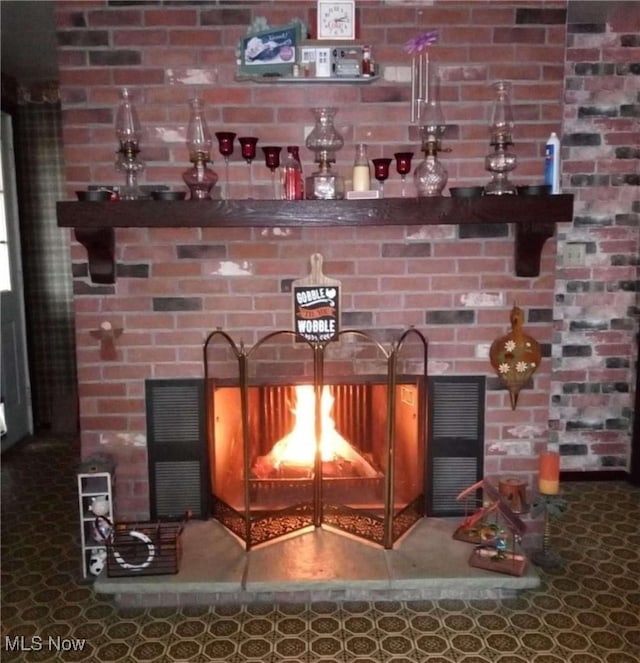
[
  {"x": 302, "y": 435},
  {"x": 456, "y": 440},
  {"x": 178, "y": 465}
]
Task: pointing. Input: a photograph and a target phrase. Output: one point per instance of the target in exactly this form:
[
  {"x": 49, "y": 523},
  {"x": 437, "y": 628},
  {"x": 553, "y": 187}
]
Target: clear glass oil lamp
[
  {"x": 501, "y": 161},
  {"x": 128, "y": 133},
  {"x": 324, "y": 141},
  {"x": 199, "y": 178},
  {"x": 430, "y": 176}
]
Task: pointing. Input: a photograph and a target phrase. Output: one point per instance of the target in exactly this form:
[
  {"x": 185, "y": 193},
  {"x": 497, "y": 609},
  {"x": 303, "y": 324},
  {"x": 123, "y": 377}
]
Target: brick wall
[
  {"x": 596, "y": 305},
  {"x": 175, "y": 285}
]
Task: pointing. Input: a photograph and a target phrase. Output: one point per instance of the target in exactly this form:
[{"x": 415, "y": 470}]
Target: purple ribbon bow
[{"x": 420, "y": 43}]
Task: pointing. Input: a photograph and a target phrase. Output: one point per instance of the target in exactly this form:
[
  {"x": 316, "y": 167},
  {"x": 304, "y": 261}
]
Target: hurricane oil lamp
[
  {"x": 430, "y": 175},
  {"x": 199, "y": 178},
  {"x": 324, "y": 141},
  {"x": 501, "y": 161},
  {"x": 128, "y": 133}
]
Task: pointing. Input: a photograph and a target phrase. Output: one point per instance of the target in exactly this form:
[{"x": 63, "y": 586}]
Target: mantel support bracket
[
  {"x": 529, "y": 242},
  {"x": 100, "y": 244}
]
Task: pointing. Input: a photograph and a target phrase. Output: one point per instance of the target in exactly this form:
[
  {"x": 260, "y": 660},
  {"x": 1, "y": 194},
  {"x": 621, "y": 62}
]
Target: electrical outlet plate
[
  {"x": 574, "y": 254},
  {"x": 482, "y": 350}
]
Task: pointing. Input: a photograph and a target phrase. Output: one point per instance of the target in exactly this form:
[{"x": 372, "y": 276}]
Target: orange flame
[{"x": 298, "y": 447}]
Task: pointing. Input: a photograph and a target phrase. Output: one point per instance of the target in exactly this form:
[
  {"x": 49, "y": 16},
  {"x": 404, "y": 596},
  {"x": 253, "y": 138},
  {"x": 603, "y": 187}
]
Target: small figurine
[
  {"x": 102, "y": 529},
  {"x": 100, "y": 505},
  {"x": 107, "y": 336},
  {"x": 97, "y": 561},
  {"x": 500, "y": 543}
]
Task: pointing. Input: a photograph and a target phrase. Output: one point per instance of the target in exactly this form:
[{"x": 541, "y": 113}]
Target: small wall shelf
[
  {"x": 535, "y": 218},
  {"x": 307, "y": 80}
]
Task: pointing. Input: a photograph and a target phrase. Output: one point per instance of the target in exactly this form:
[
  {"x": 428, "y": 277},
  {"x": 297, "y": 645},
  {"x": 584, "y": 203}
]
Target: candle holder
[
  {"x": 225, "y": 147},
  {"x": 128, "y": 133},
  {"x": 272, "y": 162},
  {"x": 381, "y": 171},
  {"x": 403, "y": 167},
  {"x": 552, "y": 506},
  {"x": 248, "y": 151}
]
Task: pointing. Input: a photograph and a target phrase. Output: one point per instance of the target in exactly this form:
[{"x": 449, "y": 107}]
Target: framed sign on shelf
[{"x": 271, "y": 51}]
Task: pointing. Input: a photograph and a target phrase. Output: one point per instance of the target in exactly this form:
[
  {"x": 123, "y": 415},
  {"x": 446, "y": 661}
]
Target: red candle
[{"x": 549, "y": 473}]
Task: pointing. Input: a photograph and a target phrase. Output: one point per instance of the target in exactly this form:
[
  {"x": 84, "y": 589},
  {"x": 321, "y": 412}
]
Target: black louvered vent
[
  {"x": 178, "y": 466},
  {"x": 456, "y": 440},
  {"x": 177, "y": 487}
]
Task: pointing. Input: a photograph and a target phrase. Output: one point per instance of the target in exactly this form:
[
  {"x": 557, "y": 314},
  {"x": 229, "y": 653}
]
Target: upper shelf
[
  {"x": 535, "y": 218},
  {"x": 307, "y": 80}
]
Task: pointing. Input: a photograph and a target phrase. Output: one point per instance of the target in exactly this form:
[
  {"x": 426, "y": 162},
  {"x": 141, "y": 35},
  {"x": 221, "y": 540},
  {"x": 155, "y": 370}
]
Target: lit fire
[{"x": 297, "y": 448}]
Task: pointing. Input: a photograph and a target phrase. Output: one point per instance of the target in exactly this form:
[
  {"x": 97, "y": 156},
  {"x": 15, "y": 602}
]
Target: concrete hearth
[{"x": 317, "y": 565}]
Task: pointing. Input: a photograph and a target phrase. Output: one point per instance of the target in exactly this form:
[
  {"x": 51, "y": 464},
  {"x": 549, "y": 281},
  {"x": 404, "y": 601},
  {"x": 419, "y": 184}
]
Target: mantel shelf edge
[{"x": 535, "y": 218}]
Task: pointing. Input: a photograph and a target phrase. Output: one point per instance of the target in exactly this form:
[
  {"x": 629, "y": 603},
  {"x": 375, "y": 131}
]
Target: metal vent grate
[
  {"x": 177, "y": 488},
  {"x": 175, "y": 413},
  {"x": 178, "y": 465},
  {"x": 456, "y": 440},
  {"x": 450, "y": 477},
  {"x": 457, "y": 410}
]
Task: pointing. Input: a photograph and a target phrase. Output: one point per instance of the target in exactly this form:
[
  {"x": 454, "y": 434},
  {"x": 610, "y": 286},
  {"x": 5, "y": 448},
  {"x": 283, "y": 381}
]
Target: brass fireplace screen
[{"x": 305, "y": 434}]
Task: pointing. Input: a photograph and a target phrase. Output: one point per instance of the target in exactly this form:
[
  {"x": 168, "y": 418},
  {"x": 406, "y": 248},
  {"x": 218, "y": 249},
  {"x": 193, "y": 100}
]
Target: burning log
[{"x": 293, "y": 455}]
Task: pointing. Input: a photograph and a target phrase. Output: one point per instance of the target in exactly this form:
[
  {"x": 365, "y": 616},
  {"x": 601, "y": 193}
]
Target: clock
[{"x": 336, "y": 19}]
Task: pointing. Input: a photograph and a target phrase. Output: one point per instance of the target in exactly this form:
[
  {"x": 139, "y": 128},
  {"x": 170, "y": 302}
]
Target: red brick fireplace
[
  {"x": 175, "y": 285},
  {"x": 452, "y": 272}
]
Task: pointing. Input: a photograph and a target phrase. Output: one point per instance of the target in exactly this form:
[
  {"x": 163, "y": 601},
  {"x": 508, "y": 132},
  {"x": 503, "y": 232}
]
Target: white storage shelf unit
[{"x": 90, "y": 486}]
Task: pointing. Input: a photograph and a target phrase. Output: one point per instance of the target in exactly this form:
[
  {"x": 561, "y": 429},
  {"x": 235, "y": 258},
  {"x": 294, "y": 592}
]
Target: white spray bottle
[{"x": 552, "y": 163}]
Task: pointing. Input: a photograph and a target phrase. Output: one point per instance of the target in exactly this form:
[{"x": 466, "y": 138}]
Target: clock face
[{"x": 336, "y": 19}]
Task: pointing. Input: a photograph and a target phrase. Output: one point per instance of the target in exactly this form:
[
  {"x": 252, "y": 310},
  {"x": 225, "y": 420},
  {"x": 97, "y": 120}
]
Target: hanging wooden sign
[{"x": 316, "y": 304}]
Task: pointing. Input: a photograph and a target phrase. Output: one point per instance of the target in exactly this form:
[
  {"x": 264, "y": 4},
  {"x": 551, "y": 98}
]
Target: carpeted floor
[{"x": 587, "y": 611}]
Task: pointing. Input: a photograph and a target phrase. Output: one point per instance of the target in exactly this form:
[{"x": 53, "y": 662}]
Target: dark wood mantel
[{"x": 535, "y": 218}]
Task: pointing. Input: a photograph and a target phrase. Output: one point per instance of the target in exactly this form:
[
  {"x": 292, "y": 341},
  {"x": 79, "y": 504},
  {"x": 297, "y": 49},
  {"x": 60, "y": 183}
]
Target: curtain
[{"x": 46, "y": 264}]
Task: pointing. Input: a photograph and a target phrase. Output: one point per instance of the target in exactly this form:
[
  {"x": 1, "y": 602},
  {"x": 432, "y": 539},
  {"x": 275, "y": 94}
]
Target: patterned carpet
[{"x": 587, "y": 611}]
